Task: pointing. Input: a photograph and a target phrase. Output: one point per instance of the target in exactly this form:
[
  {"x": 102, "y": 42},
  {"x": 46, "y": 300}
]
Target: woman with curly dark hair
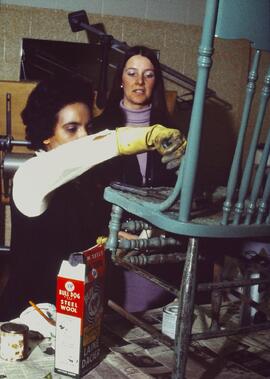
[
  {"x": 55, "y": 204},
  {"x": 43, "y": 104}
]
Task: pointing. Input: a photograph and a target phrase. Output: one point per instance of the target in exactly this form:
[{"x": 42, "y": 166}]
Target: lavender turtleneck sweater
[
  {"x": 138, "y": 117},
  {"x": 139, "y": 294}
]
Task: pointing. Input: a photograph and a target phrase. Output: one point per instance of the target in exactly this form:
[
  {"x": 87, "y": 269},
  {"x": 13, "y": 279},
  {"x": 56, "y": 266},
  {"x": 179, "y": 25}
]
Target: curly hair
[
  {"x": 113, "y": 115},
  {"x": 46, "y": 100}
]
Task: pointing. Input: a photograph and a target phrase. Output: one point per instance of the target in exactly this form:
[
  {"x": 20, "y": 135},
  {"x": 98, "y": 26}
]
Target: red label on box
[
  {"x": 95, "y": 261},
  {"x": 70, "y": 297}
]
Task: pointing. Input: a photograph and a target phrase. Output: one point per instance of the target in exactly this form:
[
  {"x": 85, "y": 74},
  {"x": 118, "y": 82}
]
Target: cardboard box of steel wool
[{"x": 79, "y": 312}]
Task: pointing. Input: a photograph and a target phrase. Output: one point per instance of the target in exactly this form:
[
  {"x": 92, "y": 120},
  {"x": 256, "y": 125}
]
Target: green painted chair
[{"x": 242, "y": 209}]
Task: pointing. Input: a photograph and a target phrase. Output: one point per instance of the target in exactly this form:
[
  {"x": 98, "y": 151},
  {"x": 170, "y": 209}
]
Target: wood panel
[
  {"x": 19, "y": 93},
  {"x": 170, "y": 100}
]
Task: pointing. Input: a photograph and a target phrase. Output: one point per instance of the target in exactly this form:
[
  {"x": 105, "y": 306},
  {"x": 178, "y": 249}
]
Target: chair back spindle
[
  {"x": 236, "y": 163},
  {"x": 204, "y": 63}
]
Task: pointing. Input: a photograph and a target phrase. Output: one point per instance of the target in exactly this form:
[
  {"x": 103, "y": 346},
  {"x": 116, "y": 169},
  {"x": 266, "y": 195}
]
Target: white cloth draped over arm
[{"x": 38, "y": 177}]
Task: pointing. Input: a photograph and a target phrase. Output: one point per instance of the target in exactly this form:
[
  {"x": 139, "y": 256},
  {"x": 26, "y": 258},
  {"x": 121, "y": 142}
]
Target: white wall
[{"x": 188, "y": 12}]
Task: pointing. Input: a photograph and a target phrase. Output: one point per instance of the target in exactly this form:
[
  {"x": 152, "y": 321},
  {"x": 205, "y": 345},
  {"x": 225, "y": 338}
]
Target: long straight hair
[{"x": 113, "y": 115}]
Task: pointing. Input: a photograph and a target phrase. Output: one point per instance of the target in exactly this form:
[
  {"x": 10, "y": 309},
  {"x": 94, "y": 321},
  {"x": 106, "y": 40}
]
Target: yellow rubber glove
[{"x": 132, "y": 140}]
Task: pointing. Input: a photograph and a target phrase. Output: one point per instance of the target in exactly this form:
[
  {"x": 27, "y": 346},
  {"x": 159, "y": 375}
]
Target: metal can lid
[
  {"x": 14, "y": 328},
  {"x": 172, "y": 309}
]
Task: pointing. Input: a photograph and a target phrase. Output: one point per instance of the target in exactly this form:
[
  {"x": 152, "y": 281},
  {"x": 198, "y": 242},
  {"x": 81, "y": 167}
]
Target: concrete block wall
[{"x": 188, "y": 12}]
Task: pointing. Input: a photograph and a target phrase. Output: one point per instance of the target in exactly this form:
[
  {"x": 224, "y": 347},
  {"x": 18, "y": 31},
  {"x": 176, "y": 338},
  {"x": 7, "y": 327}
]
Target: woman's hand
[
  {"x": 134, "y": 140},
  {"x": 173, "y": 155},
  {"x": 170, "y": 143}
]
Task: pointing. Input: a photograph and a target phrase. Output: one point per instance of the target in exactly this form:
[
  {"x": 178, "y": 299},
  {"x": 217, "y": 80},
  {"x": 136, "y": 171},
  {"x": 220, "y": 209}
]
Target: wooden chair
[{"x": 239, "y": 211}]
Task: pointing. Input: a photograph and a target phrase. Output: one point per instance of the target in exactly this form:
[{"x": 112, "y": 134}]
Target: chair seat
[{"x": 206, "y": 213}]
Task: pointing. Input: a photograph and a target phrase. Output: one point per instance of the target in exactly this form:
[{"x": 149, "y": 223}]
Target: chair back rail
[{"x": 248, "y": 19}]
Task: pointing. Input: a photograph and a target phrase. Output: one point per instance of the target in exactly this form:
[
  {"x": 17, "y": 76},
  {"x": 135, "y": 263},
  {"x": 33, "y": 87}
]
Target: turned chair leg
[
  {"x": 114, "y": 227},
  {"x": 186, "y": 309},
  {"x": 216, "y": 295}
]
